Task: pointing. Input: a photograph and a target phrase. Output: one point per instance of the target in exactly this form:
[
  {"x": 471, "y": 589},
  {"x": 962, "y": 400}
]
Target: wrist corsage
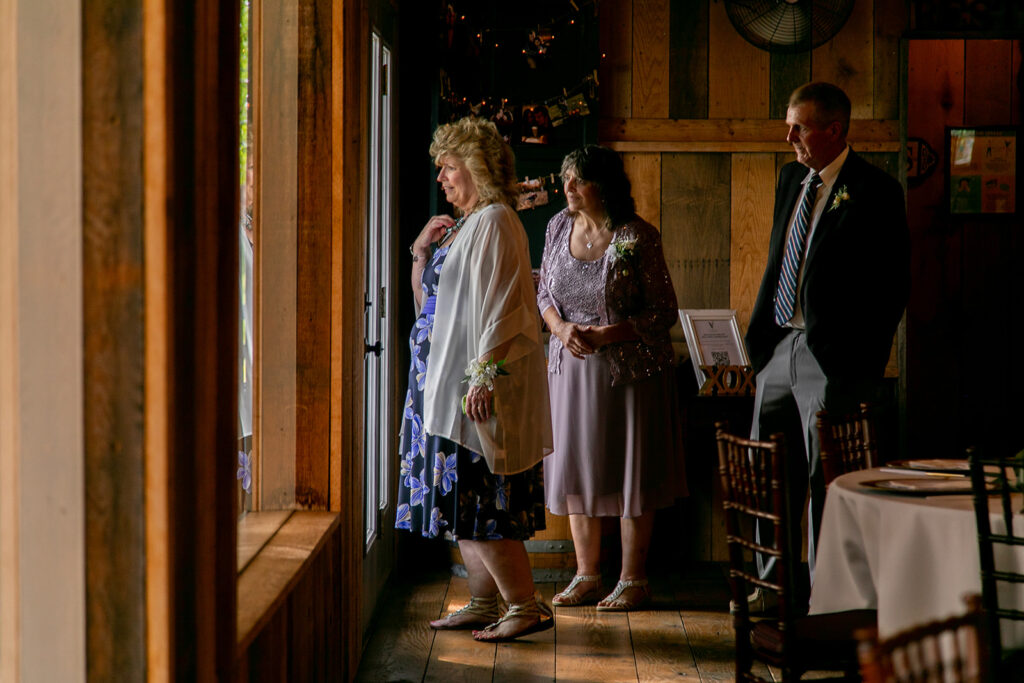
[{"x": 482, "y": 374}]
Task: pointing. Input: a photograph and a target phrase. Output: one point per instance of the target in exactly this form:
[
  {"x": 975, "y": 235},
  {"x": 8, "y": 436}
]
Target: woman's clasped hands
[{"x": 580, "y": 340}]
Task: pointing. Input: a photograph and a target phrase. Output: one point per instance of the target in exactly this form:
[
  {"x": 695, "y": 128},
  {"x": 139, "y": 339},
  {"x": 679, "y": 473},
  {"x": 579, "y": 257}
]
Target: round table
[{"x": 910, "y": 557}]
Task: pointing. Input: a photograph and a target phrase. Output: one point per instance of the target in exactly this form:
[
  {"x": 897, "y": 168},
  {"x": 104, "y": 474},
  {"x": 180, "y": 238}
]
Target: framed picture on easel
[{"x": 713, "y": 338}]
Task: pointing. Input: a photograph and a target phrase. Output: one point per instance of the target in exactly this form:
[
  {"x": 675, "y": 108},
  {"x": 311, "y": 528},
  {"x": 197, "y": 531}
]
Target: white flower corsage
[
  {"x": 482, "y": 374},
  {"x": 621, "y": 249},
  {"x": 842, "y": 195}
]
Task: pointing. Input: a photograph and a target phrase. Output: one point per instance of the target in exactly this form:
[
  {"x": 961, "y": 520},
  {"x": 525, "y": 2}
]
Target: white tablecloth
[{"x": 910, "y": 557}]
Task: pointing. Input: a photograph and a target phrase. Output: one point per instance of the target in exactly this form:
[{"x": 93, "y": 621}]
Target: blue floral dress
[{"x": 444, "y": 488}]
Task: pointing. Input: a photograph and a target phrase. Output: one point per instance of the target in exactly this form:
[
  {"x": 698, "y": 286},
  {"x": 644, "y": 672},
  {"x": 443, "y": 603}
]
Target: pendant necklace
[{"x": 453, "y": 228}]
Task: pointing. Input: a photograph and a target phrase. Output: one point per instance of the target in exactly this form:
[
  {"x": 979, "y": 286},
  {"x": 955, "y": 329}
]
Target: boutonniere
[
  {"x": 841, "y": 197},
  {"x": 621, "y": 249}
]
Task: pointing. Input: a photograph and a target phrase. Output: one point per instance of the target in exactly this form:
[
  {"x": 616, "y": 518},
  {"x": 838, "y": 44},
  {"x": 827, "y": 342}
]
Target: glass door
[{"x": 378, "y": 438}]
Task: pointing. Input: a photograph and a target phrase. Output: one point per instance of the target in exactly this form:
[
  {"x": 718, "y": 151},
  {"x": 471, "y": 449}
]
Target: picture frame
[
  {"x": 981, "y": 170},
  {"x": 713, "y": 338}
]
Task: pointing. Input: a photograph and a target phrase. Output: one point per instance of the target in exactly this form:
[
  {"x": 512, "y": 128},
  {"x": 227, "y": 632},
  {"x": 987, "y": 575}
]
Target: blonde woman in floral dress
[
  {"x": 606, "y": 296},
  {"x": 473, "y": 437}
]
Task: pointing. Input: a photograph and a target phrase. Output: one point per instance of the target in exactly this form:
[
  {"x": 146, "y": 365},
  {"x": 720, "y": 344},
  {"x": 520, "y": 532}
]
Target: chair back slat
[
  {"x": 954, "y": 650},
  {"x": 753, "y": 488},
  {"x": 994, "y": 476},
  {"x": 848, "y": 441}
]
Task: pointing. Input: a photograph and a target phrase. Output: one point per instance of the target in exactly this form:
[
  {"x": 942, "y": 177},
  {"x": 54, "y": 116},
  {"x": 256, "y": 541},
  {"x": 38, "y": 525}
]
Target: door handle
[{"x": 375, "y": 349}]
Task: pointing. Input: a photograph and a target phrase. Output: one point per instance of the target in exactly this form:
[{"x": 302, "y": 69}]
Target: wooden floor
[{"x": 686, "y": 634}]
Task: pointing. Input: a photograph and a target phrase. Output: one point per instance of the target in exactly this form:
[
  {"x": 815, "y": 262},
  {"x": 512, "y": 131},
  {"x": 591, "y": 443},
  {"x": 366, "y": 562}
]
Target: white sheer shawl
[{"x": 485, "y": 298}]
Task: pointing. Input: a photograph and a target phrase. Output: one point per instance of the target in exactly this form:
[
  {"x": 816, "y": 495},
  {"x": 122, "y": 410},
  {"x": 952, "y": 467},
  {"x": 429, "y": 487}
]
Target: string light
[{"x": 570, "y": 103}]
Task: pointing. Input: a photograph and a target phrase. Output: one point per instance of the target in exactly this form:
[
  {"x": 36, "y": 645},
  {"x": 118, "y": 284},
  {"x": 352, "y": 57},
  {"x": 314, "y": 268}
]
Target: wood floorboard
[
  {"x": 686, "y": 635},
  {"x": 531, "y": 660},
  {"x": 660, "y": 647},
  {"x": 593, "y": 646},
  {"x": 401, "y": 639},
  {"x": 455, "y": 656}
]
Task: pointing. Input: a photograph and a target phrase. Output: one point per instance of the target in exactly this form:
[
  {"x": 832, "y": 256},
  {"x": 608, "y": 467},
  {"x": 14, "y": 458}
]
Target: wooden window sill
[{"x": 274, "y": 549}]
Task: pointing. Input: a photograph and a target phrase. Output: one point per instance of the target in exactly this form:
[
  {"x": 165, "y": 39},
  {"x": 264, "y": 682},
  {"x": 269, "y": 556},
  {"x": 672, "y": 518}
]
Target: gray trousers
[{"x": 790, "y": 391}]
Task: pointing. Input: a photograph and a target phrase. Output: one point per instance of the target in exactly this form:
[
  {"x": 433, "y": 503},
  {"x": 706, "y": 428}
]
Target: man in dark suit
[{"x": 834, "y": 289}]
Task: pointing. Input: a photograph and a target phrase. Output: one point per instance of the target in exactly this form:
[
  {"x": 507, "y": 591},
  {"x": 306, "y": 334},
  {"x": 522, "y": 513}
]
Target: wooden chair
[
  {"x": 754, "y": 488},
  {"x": 848, "y": 442},
  {"x": 953, "y": 650},
  {"x": 1003, "y": 469}
]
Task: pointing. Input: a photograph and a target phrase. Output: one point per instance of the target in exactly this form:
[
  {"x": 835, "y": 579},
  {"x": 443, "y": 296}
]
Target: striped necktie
[{"x": 785, "y": 296}]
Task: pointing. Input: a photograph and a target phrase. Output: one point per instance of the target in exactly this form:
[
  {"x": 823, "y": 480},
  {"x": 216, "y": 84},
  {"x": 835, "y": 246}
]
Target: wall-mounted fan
[{"x": 788, "y": 25}]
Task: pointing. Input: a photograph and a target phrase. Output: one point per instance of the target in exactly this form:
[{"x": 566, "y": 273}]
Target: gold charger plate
[
  {"x": 937, "y": 465},
  {"x": 923, "y": 486}
]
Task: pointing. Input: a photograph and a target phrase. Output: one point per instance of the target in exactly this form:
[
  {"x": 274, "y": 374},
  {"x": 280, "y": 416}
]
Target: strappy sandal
[
  {"x": 528, "y": 608},
  {"x": 616, "y": 603},
  {"x": 483, "y": 610},
  {"x": 570, "y": 598}
]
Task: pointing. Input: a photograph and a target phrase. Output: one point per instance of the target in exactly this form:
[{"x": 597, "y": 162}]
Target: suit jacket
[{"x": 856, "y": 277}]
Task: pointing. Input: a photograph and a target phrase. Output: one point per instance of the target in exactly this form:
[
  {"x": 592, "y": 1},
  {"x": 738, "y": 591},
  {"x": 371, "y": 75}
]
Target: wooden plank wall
[
  {"x": 964, "y": 271},
  {"x": 703, "y": 152},
  {"x": 698, "y": 115}
]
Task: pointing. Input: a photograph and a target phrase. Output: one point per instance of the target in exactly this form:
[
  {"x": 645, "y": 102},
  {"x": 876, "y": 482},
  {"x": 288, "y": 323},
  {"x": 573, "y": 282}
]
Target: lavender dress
[{"x": 617, "y": 448}]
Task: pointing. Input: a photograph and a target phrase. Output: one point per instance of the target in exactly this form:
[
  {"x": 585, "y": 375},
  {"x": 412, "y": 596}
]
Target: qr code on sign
[{"x": 720, "y": 357}]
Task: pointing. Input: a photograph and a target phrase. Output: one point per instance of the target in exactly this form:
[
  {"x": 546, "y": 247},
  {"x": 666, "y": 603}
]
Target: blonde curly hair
[{"x": 488, "y": 158}]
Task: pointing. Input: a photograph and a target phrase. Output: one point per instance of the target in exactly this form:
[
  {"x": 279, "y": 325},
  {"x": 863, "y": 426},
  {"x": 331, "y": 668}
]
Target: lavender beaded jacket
[{"x": 636, "y": 288}]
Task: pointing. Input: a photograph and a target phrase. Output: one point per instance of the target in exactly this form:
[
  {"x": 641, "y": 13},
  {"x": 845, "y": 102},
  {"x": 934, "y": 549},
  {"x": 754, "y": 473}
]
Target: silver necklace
[{"x": 453, "y": 228}]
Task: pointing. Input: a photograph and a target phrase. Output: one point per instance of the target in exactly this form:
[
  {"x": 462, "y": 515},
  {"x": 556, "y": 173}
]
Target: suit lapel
[{"x": 830, "y": 218}]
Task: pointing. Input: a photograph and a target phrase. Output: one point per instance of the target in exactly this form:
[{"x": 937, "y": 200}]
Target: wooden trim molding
[
  {"x": 273, "y": 571},
  {"x": 113, "y": 309},
  {"x": 42, "y": 475},
  {"x": 157, "y": 514},
  {"x": 10, "y": 432},
  {"x": 255, "y": 530},
  {"x": 730, "y": 135},
  {"x": 201, "y": 157},
  {"x": 733, "y": 147},
  {"x": 313, "y": 299},
  {"x": 350, "y": 33}
]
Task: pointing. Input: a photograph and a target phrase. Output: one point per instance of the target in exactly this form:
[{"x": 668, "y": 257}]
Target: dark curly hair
[{"x": 604, "y": 168}]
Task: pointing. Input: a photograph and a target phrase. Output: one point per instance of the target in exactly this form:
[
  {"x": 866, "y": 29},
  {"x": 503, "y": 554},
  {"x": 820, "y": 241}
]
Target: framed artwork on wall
[{"x": 981, "y": 170}]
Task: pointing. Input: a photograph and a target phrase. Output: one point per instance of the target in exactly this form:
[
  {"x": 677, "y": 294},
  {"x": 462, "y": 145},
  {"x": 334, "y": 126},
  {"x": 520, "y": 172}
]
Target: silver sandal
[
  {"x": 568, "y": 599},
  {"x": 626, "y": 606},
  {"x": 528, "y": 608},
  {"x": 485, "y": 611}
]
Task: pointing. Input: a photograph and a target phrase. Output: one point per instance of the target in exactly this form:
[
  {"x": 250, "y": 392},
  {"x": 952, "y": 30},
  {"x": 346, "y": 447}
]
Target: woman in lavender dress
[
  {"x": 607, "y": 298},
  {"x": 472, "y": 451}
]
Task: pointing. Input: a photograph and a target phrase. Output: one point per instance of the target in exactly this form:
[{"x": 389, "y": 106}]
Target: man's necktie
[{"x": 785, "y": 296}]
